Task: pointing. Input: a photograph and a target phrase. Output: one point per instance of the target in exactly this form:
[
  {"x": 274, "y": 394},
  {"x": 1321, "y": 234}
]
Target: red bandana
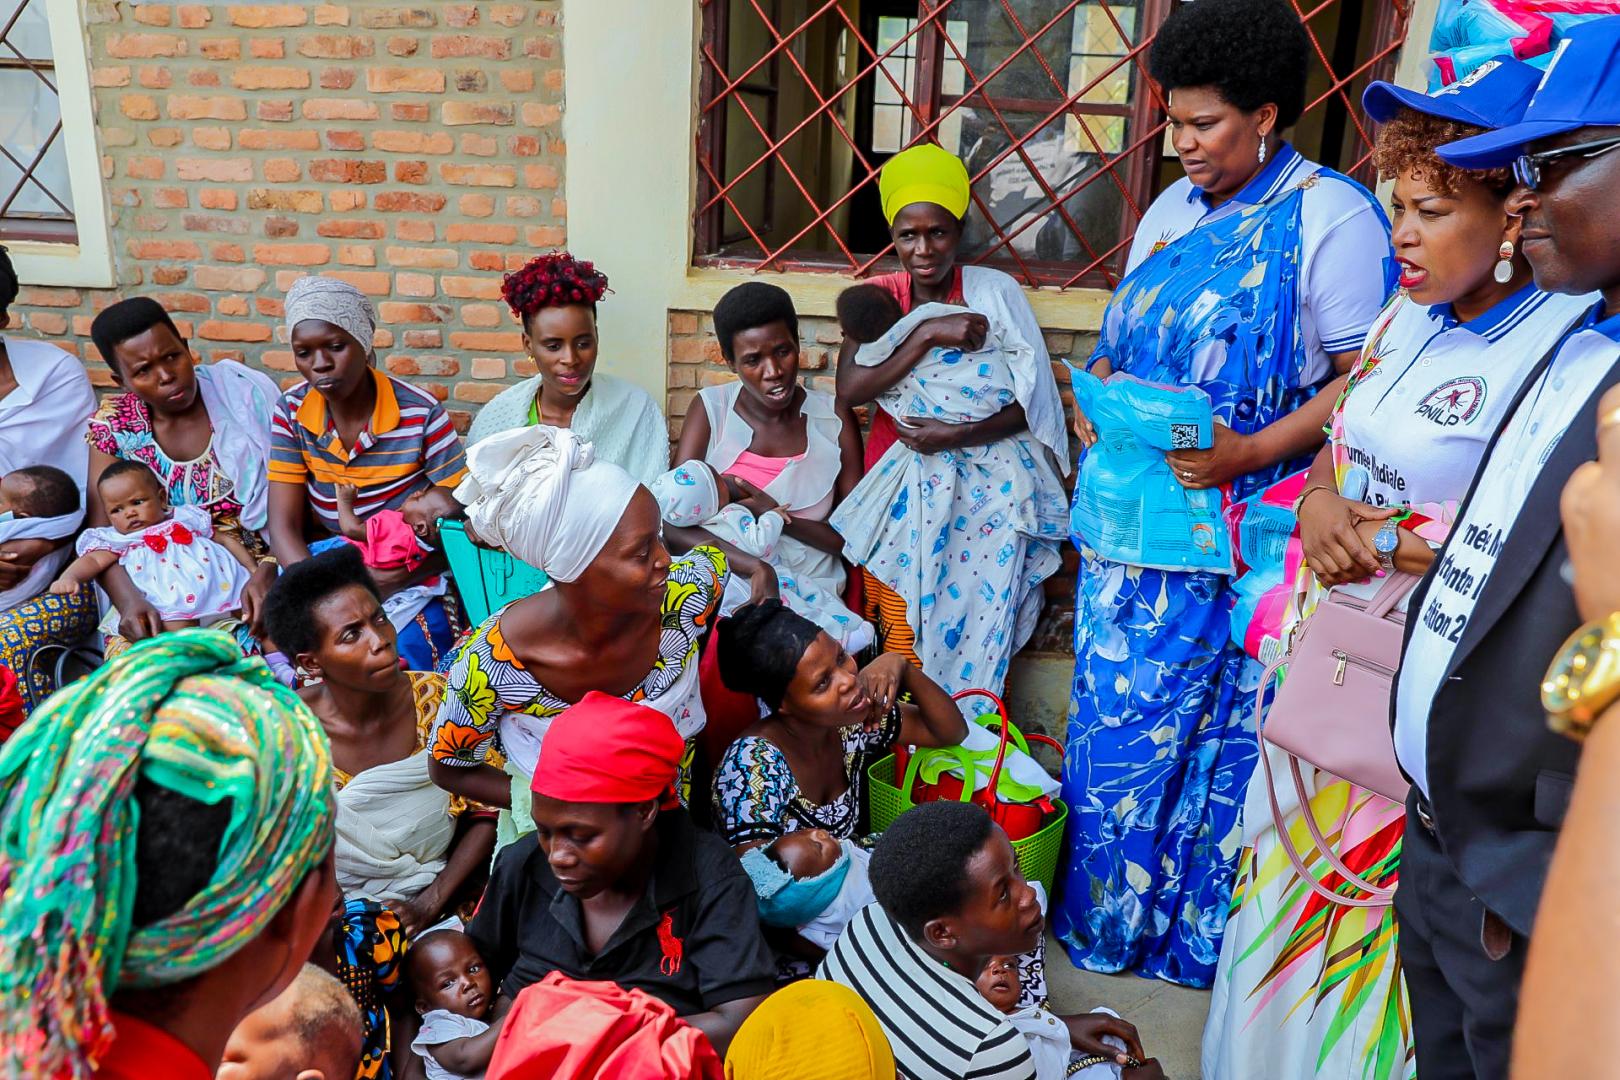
[{"x": 608, "y": 750}]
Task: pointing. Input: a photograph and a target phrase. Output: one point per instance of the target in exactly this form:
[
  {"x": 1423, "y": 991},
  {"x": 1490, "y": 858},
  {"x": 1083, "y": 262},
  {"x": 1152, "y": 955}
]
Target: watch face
[
  {"x": 1385, "y": 541},
  {"x": 1579, "y": 683}
]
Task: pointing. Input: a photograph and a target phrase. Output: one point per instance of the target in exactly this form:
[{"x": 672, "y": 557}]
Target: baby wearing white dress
[
  {"x": 170, "y": 553},
  {"x": 810, "y": 881}
]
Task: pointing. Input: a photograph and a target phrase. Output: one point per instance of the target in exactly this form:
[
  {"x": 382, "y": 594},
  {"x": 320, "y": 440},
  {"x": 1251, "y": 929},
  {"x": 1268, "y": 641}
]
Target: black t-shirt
[{"x": 692, "y": 940}]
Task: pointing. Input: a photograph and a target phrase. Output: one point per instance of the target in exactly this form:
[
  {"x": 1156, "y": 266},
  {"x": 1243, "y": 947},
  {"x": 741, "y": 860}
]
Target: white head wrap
[
  {"x": 332, "y": 301},
  {"x": 688, "y": 494},
  {"x": 539, "y": 494}
]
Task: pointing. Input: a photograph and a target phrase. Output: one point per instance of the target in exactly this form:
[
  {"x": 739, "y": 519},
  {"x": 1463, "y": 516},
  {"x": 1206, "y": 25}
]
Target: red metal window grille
[
  {"x": 1048, "y": 102},
  {"x": 36, "y": 202}
]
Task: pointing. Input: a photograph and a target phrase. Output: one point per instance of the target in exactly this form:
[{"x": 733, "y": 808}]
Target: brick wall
[
  {"x": 415, "y": 151},
  {"x": 695, "y": 362}
]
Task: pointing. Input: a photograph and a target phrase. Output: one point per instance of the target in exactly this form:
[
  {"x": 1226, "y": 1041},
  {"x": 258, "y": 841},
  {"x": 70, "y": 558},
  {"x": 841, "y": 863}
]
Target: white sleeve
[
  {"x": 1345, "y": 281},
  {"x": 195, "y": 518}
]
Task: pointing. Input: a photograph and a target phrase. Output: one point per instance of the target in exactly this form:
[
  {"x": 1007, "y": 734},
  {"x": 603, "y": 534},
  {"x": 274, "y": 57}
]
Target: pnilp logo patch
[{"x": 1455, "y": 402}]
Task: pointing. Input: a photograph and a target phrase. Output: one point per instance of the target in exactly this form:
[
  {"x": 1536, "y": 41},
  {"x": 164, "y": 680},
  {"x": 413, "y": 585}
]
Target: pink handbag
[{"x": 1332, "y": 711}]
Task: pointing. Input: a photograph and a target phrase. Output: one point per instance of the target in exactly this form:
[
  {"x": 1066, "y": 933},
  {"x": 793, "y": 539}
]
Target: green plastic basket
[
  {"x": 487, "y": 580},
  {"x": 1037, "y": 855}
]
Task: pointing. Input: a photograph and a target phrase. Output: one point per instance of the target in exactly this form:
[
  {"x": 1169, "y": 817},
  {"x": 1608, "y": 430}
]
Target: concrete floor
[{"x": 1169, "y": 1018}]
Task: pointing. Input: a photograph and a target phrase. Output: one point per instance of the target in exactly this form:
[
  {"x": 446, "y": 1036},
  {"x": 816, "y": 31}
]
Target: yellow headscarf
[
  {"x": 924, "y": 173},
  {"x": 811, "y": 1030}
]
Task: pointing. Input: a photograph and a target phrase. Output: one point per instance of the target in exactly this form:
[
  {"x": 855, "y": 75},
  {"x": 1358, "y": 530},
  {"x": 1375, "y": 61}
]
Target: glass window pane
[
  {"x": 30, "y": 35},
  {"x": 886, "y": 124},
  {"x": 29, "y": 113}
]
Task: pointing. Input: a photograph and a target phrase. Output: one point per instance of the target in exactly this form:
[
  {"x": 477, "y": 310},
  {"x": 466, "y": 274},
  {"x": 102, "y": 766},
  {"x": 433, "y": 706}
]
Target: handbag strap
[
  {"x": 1376, "y": 897},
  {"x": 1391, "y": 593}
]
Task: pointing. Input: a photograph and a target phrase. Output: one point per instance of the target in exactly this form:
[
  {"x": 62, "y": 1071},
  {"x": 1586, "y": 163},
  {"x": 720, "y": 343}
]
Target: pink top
[
  {"x": 759, "y": 470},
  {"x": 390, "y": 543}
]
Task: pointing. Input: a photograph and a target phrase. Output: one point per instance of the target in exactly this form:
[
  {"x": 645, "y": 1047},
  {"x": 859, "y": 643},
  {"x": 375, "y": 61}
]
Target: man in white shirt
[{"x": 1490, "y": 782}]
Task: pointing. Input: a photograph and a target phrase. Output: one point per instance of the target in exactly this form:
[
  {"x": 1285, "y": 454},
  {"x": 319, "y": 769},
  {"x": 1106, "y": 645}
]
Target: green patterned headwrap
[{"x": 185, "y": 711}]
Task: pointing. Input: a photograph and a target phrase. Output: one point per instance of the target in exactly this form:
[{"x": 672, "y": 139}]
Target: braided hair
[{"x": 555, "y": 279}]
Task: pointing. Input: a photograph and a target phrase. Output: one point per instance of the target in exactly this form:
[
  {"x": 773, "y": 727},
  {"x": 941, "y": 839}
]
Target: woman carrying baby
[
  {"x": 406, "y": 849},
  {"x": 621, "y": 617},
  {"x": 202, "y": 430},
  {"x": 554, "y": 298},
  {"x": 775, "y": 444},
  {"x": 957, "y": 525}
]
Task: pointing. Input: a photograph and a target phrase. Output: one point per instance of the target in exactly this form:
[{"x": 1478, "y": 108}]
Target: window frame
[{"x": 86, "y": 262}]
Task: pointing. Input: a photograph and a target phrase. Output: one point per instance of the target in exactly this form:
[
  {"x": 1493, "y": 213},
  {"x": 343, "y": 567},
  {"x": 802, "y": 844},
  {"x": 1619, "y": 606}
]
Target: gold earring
[{"x": 1504, "y": 267}]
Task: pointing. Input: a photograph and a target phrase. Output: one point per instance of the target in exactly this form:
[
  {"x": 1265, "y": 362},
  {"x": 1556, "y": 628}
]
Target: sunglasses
[{"x": 1527, "y": 168}]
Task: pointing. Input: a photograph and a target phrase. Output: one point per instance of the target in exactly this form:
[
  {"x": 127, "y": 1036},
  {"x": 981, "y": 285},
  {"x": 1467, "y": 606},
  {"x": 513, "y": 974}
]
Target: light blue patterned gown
[{"x": 1161, "y": 739}]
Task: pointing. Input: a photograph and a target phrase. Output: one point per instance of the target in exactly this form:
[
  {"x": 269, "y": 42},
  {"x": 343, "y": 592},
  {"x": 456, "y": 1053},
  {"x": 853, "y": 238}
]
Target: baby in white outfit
[
  {"x": 170, "y": 553},
  {"x": 810, "y": 881}
]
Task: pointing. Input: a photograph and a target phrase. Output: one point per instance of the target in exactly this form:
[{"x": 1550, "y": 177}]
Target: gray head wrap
[{"x": 332, "y": 301}]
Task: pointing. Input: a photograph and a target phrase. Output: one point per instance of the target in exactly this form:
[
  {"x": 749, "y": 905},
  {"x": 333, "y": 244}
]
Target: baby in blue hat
[{"x": 811, "y": 882}]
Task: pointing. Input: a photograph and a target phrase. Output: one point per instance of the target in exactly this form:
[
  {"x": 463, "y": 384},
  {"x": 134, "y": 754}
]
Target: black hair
[
  {"x": 866, "y": 312},
  {"x": 9, "y": 285},
  {"x": 289, "y": 609},
  {"x": 126, "y": 467},
  {"x": 177, "y": 842},
  {"x": 749, "y": 306},
  {"x": 127, "y": 319},
  {"x": 415, "y": 957},
  {"x": 919, "y": 867},
  {"x": 760, "y": 648},
  {"x": 51, "y": 492},
  {"x": 1252, "y": 52}
]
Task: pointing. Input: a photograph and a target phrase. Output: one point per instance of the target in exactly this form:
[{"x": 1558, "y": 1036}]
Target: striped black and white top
[{"x": 938, "y": 1026}]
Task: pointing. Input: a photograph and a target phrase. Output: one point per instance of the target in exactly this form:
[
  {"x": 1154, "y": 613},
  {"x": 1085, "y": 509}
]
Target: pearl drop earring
[{"x": 1504, "y": 267}]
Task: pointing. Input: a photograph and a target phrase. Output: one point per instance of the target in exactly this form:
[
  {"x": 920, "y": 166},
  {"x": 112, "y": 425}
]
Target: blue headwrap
[{"x": 784, "y": 900}]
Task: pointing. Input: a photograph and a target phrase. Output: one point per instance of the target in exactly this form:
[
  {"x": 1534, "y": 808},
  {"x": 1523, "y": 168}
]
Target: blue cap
[
  {"x": 1493, "y": 95},
  {"x": 1580, "y": 89}
]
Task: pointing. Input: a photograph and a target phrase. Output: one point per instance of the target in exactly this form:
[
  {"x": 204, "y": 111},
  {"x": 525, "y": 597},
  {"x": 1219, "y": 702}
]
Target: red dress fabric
[
  {"x": 11, "y": 704},
  {"x": 143, "y": 1052},
  {"x": 560, "y": 1029}
]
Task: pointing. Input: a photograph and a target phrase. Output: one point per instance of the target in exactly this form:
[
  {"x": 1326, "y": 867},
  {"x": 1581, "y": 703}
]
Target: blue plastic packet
[{"x": 1128, "y": 506}]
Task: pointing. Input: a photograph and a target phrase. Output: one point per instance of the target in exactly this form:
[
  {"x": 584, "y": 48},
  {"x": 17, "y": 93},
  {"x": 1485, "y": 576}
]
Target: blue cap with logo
[
  {"x": 1580, "y": 89},
  {"x": 1493, "y": 95}
]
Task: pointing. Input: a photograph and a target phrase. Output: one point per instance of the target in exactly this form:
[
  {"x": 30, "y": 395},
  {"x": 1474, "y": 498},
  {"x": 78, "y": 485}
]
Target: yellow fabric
[
  {"x": 924, "y": 173},
  {"x": 811, "y": 1030}
]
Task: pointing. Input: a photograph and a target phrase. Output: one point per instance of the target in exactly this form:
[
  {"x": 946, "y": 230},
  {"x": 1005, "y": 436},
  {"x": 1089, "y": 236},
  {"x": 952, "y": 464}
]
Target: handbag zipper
[{"x": 1344, "y": 659}]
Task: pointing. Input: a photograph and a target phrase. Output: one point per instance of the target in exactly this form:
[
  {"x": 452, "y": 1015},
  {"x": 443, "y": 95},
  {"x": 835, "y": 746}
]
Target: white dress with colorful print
[{"x": 176, "y": 564}]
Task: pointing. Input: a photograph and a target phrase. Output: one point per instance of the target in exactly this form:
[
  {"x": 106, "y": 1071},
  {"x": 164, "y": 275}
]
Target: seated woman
[
  {"x": 621, "y": 616},
  {"x": 45, "y": 401},
  {"x": 554, "y": 298},
  {"x": 778, "y": 443},
  {"x": 617, "y": 884},
  {"x": 348, "y": 423},
  {"x": 405, "y": 847},
  {"x": 167, "y": 858},
  {"x": 202, "y": 429},
  {"x": 804, "y": 766}
]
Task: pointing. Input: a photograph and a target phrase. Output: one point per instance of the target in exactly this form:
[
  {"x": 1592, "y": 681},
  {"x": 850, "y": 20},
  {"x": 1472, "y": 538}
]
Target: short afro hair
[
  {"x": 866, "y": 312},
  {"x": 51, "y": 492},
  {"x": 919, "y": 867},
  {"x": 9, "y": 285},
  {"x": 1407, "y": 142},
  {"x": 124, "y": 320},
  {"x": 289, "y": 610},
  {"x": 1251, "y": 52},
  {"x": 760, "y": 649},
  {"x": 131, "y": 467},
  {"x": 749, "y": 306}
]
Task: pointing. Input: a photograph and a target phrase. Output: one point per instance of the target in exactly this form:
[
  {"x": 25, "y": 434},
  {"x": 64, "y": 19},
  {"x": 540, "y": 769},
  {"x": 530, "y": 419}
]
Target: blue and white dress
[{"x": 1248, "y": 301}]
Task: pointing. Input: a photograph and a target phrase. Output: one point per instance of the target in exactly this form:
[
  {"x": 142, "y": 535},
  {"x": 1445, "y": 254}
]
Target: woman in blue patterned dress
[{"x": 1255, "y": 278}]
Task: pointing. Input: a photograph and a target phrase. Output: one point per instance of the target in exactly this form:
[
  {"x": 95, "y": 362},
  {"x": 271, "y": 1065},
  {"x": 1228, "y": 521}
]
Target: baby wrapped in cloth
[
  {"x": 691, "y": 494},
  {"x": 965, "y": 536}
]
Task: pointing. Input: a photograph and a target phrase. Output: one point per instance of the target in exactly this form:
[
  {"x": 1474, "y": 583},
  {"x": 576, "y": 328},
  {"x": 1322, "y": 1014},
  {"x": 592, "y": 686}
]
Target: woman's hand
[
  {"x": 138, "y": 620},
  {"x": 965, "y": 330},
  {"x": 1336, "y": 549},
  {"x": 18, "y": 558},
  {"x": 1591, "y": 512},
  {"x": 762, "y": 583},
  {"x": 1230, "y": 456},
  {"x": 927, "y": 436},
  {"x": 253, "y": 594},
  {"x": 1086, "y": 1035},
  {"x": 1083, "y": 429},
  {"x": 882, "y": 680},
  {"x": 753, "y": 498},
  {"x": 417, "y": 914}
]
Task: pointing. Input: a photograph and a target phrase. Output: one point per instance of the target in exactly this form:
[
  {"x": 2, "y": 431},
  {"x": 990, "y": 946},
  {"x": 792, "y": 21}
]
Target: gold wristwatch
[{"x": 1584, "y": 678}]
